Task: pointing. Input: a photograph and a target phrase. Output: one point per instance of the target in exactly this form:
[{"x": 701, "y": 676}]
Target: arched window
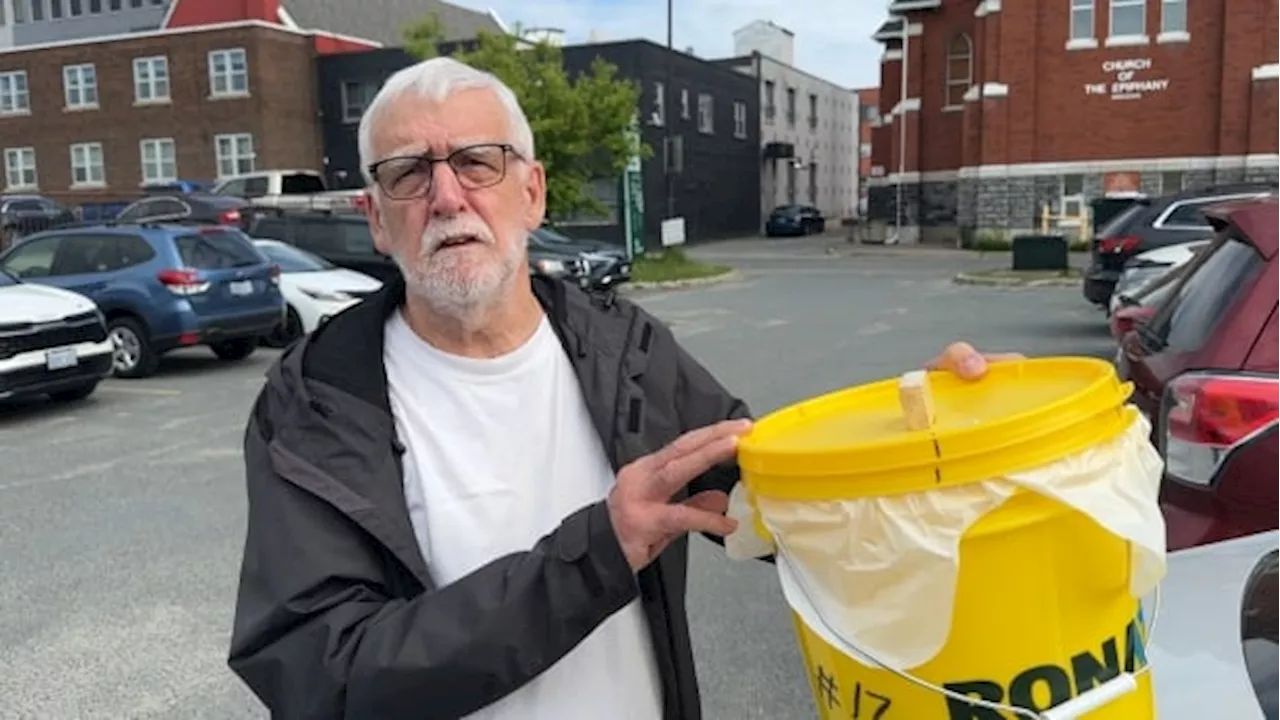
[{"x": 959, "y": 69}]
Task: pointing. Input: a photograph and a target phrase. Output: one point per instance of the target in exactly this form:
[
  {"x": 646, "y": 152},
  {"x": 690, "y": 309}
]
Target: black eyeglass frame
[{"x": 507, "y": 148}]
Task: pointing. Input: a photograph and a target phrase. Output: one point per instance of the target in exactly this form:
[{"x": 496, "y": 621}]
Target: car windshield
[
  {"x": 551, "y": 236},
  {"x": 292, "y": 260}
]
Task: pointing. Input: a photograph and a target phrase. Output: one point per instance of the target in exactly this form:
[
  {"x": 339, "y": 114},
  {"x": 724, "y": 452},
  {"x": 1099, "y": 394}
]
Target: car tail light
[
  {"x": 183, "y": 282},
  {"x": 1122, "y": 244},
  {"x": 1205, "y": 416},
  {"x": 360, "y": 202},
  {"x": 229, "y": 217},
  {"x": 275, "y": 274}
]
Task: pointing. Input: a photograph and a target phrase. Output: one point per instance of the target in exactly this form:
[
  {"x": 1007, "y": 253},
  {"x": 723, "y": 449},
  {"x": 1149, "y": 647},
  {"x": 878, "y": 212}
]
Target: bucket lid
[{"x": 855, "y": 442}]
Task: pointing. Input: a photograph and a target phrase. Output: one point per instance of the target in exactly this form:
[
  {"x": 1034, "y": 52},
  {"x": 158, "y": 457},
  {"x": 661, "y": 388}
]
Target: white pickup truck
[{"x": 301, "y": 189}]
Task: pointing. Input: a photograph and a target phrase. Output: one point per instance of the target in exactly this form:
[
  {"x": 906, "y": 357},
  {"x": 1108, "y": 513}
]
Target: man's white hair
[{"x": 436, "y": 79}]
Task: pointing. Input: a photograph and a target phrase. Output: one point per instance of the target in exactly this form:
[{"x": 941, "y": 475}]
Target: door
[{"x": 79, "y": 263}]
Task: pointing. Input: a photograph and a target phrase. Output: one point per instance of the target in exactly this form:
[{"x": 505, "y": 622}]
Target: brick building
[
  {"x": 91, "y": 120},
  {"x": 1010, "y": 108}
]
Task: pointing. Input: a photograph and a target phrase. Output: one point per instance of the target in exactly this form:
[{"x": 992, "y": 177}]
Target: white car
[
  {"x": 314, "y": 289},
  {"x": 1213, "y": 650},
  {"x": 52, "y": 342}
]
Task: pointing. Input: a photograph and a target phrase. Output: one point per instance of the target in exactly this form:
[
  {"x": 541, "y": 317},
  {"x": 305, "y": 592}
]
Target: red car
[{"x": 1204, "y": 369}]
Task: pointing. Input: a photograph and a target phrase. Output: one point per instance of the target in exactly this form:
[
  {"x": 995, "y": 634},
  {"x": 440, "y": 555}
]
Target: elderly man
[{"x": 469, "y": 495}]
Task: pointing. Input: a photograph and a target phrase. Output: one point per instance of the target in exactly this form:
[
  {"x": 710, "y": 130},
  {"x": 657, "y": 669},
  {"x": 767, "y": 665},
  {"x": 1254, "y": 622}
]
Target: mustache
[{"x": 438, "y": 232}]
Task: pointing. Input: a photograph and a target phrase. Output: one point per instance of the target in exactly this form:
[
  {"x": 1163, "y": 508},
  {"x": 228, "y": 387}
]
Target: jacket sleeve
[
  {"x": 318, "y": 634},
  {"x": 700, "y": 401}
]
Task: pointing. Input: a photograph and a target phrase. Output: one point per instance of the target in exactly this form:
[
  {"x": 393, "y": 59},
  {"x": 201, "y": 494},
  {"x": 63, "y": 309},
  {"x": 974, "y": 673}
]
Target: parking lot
[{"x": 121, "y": 517}]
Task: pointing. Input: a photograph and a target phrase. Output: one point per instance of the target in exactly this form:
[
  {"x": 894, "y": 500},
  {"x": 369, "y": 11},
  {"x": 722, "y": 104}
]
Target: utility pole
[
  {"x": 667, "y": 143},
  {"x": 901, "y": 117}
]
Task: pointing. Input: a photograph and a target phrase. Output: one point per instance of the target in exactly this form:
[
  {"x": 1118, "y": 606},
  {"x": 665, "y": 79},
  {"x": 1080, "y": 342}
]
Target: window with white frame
[
  {"x": 80, "y": 85},
  {"x": 159, "y": 160},
  {"x": 228, "y": 72},
  {"x": 151, "y": 79},
  {"x": 684, "y": 104},
  {"x": 959, "y": 70},
  {"x": 659, "y": 116},
  {"x": 14, "y": 96},
  {"x": 20, "y": 168},
  {"x": 1128, "y": 18},
  {"x": 706, "y": 113},
  {"x": 234, "y": 153},
  {"x": 1082, "y": 20},
  {"x": 1071, "y": 204},
  {"x": 864, "y": 150},
  {"x": 1173, "y": 17},
  {"x": 1172, "y": 181},
  {"x": 87, "y": 168},
  {"x": 739, "y": 119}
]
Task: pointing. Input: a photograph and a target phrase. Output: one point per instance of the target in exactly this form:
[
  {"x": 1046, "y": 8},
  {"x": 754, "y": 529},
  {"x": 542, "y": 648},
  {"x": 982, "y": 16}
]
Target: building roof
[
  {"x": 890, "y": 30},
  {"x": 386, "y": 20}
]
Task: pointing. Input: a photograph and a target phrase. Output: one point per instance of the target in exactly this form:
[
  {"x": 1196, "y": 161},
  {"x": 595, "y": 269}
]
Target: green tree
[
  {"x": 422, "y": 39},
  {"x": 581, "y": 125}
]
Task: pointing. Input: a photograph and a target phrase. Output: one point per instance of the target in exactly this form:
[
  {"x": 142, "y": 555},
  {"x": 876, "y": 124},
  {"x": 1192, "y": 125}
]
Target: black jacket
[{"x": 337, "y": 616}]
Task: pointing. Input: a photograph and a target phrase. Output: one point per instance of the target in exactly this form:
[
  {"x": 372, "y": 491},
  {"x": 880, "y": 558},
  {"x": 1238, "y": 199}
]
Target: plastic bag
[{"x": 882, "y": 571}]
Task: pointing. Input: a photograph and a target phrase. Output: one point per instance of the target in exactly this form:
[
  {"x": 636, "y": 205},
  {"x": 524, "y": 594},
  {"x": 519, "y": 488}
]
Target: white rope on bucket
[{"x": 1088, "y": 701}]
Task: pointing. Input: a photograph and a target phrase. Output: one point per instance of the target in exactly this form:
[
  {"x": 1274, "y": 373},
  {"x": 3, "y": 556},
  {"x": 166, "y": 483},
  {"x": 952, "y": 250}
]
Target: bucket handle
[{"x": 1088, "y": 701}]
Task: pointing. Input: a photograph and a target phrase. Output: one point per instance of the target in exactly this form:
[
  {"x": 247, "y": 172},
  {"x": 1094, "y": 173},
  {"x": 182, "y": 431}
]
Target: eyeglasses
[{"x": 409, "y": 176}]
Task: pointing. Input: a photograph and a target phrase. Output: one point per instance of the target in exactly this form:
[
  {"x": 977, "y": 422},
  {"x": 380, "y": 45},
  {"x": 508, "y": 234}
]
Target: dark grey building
[{"x": 708, "y": 115}]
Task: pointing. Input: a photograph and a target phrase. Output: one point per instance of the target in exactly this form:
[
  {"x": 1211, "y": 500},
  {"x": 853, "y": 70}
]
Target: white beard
[{"x": 460, "y": 281}]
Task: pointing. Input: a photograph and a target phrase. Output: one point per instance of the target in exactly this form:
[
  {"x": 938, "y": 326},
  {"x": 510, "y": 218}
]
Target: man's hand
[
  {"x": 640, "y": 506},
  {"x": 962, "y": 360}
]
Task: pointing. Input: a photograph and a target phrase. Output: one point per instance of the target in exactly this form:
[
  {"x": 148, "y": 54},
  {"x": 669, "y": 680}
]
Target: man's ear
[
  {"x": 535, "y": 189},
  {"x": 373, "y": 210}
]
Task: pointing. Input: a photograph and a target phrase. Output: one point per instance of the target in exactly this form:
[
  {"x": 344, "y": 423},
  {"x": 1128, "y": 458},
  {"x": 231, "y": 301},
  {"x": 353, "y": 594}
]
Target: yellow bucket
[{"x": 1044, "y": 624}]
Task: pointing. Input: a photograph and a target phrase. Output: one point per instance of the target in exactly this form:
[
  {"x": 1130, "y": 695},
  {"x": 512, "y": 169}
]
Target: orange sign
[{"x": 1121, "y": 183}]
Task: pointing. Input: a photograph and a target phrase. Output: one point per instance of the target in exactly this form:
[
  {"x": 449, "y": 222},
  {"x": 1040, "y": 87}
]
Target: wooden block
[{"x": 916, "y": 398}]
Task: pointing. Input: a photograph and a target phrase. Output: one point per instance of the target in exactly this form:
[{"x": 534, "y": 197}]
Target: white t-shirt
[{"x": 498, "y": 452}]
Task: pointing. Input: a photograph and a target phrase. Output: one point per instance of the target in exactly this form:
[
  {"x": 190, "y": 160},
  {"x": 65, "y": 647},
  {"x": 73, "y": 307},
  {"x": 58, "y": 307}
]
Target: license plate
[
  {"x": 241, "y": 287},
  {"x": 61, "y": 358}
]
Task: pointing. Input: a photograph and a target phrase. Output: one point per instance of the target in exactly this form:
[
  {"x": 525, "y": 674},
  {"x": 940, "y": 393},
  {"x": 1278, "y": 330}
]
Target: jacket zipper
[{"x": 654, "y": 571}]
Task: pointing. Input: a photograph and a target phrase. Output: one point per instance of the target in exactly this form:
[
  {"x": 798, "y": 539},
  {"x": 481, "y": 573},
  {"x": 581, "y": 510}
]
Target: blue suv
[{"x": 160, "y": 286}]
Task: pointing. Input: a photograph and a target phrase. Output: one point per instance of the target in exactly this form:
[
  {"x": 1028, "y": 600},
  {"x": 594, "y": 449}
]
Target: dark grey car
[{"x": 1150, "y": 223}]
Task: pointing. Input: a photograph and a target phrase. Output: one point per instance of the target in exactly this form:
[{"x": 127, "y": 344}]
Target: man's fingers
[
  {"x": 677, "y": 473},
  {"x": 711, "y": 501},
  {"x": 685, "y": 518},
  {"x": 963, "y": 360},
  {"x": 692, "y": 441}
]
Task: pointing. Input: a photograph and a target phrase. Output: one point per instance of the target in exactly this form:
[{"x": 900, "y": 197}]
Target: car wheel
[
  {"x": 79, "y": 392},
  {"x": 237, "y": 349},
  {"x": 286, "y": 332},
  {"x": 131, "y": 353}
]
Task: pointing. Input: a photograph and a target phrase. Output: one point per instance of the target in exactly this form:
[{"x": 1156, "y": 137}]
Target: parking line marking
[{"x": 164, "y": 392}]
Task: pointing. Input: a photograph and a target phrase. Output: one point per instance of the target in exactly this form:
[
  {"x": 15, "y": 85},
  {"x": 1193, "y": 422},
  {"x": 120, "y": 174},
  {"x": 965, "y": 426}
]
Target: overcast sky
[{"x": 831, "y": 40}]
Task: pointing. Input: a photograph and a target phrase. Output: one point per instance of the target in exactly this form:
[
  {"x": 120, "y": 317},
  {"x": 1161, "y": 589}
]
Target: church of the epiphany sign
[{"x": 1129, "y": 80}]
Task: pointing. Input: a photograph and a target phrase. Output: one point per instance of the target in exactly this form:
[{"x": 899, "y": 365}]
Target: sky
[{"x": 831, "y": 40}]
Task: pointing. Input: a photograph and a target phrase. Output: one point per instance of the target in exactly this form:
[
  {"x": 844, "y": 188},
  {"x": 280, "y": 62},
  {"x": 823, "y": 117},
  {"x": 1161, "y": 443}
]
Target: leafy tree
[{"x": 581, "y": 125}]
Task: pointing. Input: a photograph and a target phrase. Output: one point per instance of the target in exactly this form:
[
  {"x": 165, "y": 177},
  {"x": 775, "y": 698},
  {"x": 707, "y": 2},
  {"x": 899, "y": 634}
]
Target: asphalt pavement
[{"x": 122, "y": 517}]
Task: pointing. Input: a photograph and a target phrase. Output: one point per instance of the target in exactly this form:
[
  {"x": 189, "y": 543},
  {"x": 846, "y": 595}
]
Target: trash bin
[
  {"x": 1041, "y": 252},
  {"x": 990, "y": 566}
]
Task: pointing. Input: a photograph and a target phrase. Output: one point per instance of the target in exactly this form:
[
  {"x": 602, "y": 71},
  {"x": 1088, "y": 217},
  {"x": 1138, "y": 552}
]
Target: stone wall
[{"x": 1013, "y": 204}]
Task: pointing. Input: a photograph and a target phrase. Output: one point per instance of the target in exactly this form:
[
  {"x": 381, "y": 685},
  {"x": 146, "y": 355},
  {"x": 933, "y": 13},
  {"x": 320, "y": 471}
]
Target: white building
[{"x": 808, "y": 126}]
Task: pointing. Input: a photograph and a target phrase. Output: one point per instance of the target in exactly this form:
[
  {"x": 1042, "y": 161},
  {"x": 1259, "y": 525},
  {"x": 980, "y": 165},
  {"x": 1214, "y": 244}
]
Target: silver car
[{"x": 1214, "y": 652}]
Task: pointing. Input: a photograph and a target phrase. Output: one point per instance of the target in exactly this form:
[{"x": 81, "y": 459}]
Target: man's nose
[{"x": 447, "y": 196}]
